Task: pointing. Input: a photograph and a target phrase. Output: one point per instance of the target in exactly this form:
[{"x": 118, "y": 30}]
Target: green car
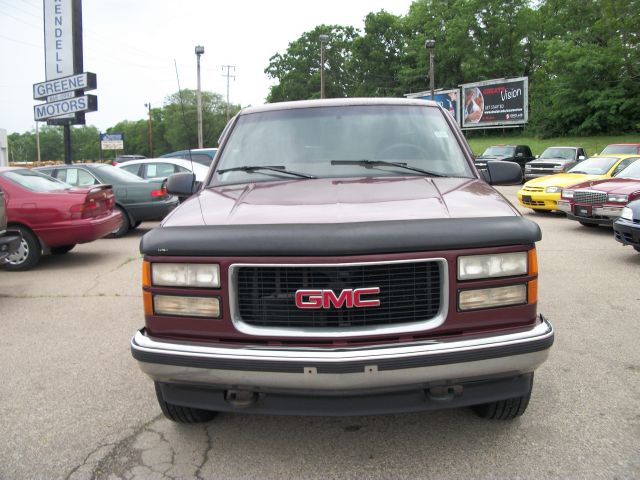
[{"x": 137, "y": 199}]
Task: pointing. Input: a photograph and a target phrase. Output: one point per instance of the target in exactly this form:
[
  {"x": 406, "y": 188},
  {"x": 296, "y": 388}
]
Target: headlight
[
  {"x": 186, "y": 306},
  {"x": 627, "y": 214},
  {"x": 553, "y": 189},
  {"x": 567, "y": 193},
  {"x": 558, "y": 167},
  {"x": 492, "y": 297},
  {"x": 490, "y": 266},
  {"x": 618, "y": 198},
  {"x": 201, "y": 275},
  {"x": 528, "y": 167}
]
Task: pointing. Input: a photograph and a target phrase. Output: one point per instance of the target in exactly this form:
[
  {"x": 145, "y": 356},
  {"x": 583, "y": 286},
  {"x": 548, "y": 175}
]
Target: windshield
[
  {"x": 112, "y": 174},
  {"x": 308, "y": 140},
  {"x": 594, "y": 166},
  {"x": 627, "y": 149},
  {"x": 498, "y": 151},
  {"x": 563, "y": 153},
  {"x": 35, "y": 181},
  {"x": 632, "y": 171}
]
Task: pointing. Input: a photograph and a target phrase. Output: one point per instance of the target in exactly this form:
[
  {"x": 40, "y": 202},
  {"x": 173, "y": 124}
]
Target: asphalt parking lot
[{"x": 73, "y": 403}]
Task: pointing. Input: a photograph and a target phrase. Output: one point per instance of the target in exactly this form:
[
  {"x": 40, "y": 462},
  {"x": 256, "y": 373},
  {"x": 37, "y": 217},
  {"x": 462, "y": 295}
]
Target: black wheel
[
  {"x": 62, "y": 249},
  {"x": 135, "y": 225},
  {"x": 637, "y": 249},
  {"x": 124, "y": 226},
  {"x": 182, "y": 414},
  {"x": 586, "y": 224},
  {"x": 28, "y": 254},
  {"x": 540, "y": 211},
  {"x": 504, "y": 409}
]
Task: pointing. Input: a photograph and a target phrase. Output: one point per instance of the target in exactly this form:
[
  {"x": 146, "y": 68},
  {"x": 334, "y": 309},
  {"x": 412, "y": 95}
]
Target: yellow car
[{"x": 543, "y": 193}]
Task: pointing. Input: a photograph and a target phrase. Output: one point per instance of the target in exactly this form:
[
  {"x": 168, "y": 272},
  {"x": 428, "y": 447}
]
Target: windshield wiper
[
  {"x": 578, "y": 171},
  {"x": 273, "y": 168},
  {"x": 382, "y": 163}
]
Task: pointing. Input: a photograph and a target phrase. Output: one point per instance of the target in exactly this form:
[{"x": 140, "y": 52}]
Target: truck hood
[{"x": 344, "y": 200}]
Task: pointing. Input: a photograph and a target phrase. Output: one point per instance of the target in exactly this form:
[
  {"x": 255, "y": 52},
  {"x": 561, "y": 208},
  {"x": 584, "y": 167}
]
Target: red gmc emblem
[{"x": 349, "y": 298}]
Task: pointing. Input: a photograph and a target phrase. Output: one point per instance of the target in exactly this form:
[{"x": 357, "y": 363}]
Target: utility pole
[
  {"x": 150, "y": 134},
  {"x": 228, "y": 75},
  {"x": 199, "y": 51},
  {"x": 323, "y": 41},
  {"x": 430, "y": 45}
]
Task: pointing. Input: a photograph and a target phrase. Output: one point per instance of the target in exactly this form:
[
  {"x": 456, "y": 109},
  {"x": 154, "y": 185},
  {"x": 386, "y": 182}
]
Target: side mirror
[
  {"x": 181, "y": 184},
  {"x": 503, "y": 173}
]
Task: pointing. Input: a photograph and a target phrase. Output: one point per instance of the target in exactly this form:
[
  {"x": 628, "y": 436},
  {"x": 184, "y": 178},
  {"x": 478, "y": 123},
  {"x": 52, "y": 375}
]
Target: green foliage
[
  {"x": 172, "y": 130},
  {"x": 582, "y": 58}
]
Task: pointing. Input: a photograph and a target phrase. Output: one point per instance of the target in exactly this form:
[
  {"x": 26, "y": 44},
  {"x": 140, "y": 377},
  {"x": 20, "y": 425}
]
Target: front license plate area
[
  {"x": 583, "y": 211},
  {"x": 526, "y": 198}
]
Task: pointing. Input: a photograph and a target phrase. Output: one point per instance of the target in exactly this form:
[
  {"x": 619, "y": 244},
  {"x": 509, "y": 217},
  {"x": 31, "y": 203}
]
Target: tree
[{"x": 298, "y": 70}]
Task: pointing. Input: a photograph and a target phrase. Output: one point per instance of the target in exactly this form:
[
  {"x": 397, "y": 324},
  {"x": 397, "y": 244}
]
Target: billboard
[
  {"x": 448, "y": 99},
  {"x": 112, "y": 141},
  {"x": 495, "y": 103}
]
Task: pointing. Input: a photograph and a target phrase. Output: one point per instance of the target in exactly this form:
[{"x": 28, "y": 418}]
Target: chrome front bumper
[{"x": 264, "y": 368}]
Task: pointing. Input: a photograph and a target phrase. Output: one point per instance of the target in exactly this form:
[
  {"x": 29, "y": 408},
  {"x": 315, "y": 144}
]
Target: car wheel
[
  {"x": 28, "y": 254},
  {"x": 637, "y": 249},
  {"x": 135, "y": 225},
  {"x": 124, "y": 226},
  {"x": 180, "y": 414},
  {"x": 505, "y": 409},
  {"x": 62, "y": 249},
  {"x": 539, "y": 210},
  {"x": 586, "y": 224}
]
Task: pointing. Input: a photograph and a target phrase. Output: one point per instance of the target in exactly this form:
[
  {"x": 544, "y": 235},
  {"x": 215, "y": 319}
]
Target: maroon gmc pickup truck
[{"x": 343, "y": 257}]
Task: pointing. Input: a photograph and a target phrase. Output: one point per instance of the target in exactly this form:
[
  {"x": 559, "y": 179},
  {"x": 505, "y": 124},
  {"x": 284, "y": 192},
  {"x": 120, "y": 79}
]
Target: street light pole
[
  {"x": 148, "y": 105},
  {"x": 199, "y": 51},
  {"x": 323, "y": 40},
  {"x": 430, "y": 45}
]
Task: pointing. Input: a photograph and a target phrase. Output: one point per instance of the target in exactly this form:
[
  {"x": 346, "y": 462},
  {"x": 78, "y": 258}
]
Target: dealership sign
[
  {"x": 66, "y": 83},
  {"x": 51, "y": 90},
  {"x": 112, "y": 141},
  {"x": 495, "y": 103}
]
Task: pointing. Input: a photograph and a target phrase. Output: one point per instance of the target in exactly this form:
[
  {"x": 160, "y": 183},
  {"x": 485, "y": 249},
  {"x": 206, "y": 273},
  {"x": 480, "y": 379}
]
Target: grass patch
[{"x": 592, "y": 145}]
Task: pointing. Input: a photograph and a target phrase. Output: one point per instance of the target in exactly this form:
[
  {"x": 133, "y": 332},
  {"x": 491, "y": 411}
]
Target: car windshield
[
  {"x": 498, "y": 151},
  {"x": 632, "y": 171},
  {"x": 337, "y": 141},
  {"x": 594, "y": 166},
  {"x": 563, "y": 153},
  {"x": 623, "y": 149},
  {"x": 113, "y": 174},
  {"x": 35, "y": 181}
]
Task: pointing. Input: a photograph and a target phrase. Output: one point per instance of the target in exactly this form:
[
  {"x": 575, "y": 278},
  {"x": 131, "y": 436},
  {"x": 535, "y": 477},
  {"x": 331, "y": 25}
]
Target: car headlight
[
  {"x": 492, "y": 297},
  {"x": 528, "y": 167},
  {"x": 627, "y": 214},
  {"x": 618, "y": 198},
  {"x": 558, "y": 167},
  {"x": 491, "y": 266},
  {"x": 199, "y": 275},
  {"x": 208, "y": 307},
  {"x": 567, "y": 193},
  {"x": 553, "y": 189}
]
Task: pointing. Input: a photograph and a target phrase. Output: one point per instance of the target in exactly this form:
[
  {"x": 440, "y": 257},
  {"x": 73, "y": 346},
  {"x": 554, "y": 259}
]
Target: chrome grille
[
  {"x": 263, "y": 296},
  {"x": 590, "y": 197}
]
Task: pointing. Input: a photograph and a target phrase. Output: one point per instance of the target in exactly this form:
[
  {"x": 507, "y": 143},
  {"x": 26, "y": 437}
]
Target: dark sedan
[
  {"x": 626, "y": 229},
  {"x": 138, "y": 200},
  {"x": 52, "y": 217}
]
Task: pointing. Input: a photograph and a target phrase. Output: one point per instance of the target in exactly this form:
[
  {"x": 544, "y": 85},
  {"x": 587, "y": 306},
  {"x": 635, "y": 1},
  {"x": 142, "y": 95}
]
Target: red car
[
  {"x": 53, "y": 217},
  {"x": 600, "y": 202}
]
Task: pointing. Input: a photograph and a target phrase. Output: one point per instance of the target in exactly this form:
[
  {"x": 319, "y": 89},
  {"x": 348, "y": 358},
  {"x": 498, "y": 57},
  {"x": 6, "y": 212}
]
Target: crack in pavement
[{"x": 96, "y": 279}]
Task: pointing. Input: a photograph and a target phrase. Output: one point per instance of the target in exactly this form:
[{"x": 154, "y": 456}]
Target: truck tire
[
  {"x": 180, "y": 414},
  {"x": 587, "y": 224},
  {"x": 504, "y": 409}
]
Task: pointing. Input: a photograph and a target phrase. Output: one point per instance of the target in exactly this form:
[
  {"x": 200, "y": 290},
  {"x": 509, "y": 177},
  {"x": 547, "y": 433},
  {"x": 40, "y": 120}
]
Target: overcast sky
[{"x": 131, "y": 46}]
